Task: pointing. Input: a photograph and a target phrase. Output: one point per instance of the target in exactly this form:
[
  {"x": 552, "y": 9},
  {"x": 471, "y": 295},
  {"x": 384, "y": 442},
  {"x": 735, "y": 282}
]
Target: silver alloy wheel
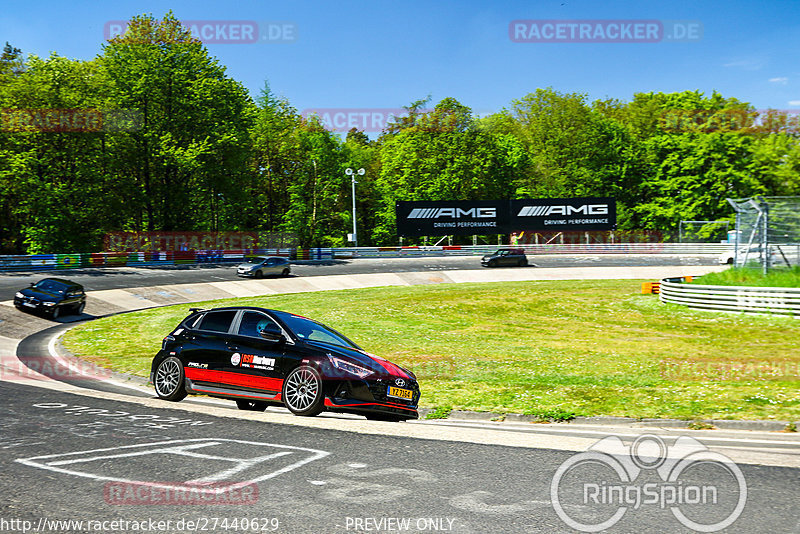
[
  {"x": 302, "y": 390},
  {"x": 168, "y": 377}
]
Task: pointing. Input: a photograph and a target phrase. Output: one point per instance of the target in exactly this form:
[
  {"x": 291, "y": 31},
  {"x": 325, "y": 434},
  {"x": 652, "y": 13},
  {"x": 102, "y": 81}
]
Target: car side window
[
  {"x": 219, "y": 321},
  {"x": 253, "y": 323}
]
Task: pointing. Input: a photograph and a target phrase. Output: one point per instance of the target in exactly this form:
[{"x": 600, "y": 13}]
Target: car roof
[
  {"x": 236, "y": 308},
  {"x": 61, "y": 281}
]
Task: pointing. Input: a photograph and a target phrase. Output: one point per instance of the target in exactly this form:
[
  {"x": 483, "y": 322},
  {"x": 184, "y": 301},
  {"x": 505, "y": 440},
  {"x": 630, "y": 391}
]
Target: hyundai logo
[{"x": 400, "y": 382}]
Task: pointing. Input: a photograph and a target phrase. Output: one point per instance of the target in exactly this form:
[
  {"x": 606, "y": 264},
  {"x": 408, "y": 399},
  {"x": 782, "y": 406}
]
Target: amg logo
[
  {"x": 544, "y": 211},
  {"x": 452, "y": 213}
]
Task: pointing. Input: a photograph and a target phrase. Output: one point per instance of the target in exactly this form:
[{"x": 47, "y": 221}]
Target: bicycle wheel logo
[{"x": 704, "y": 490}]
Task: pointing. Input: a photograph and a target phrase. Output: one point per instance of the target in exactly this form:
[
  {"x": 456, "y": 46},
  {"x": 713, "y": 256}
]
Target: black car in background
[
  {"x": 506, "y": 257},
  {"x": 260, "y": 357},
  {"x": 53, "y": 297}
]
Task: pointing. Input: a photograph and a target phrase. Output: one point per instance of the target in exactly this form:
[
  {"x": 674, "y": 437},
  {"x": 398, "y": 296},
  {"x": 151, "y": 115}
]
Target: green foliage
[
  {"x": 205, "y": 156},
  {"x": 440, "y": 412}
]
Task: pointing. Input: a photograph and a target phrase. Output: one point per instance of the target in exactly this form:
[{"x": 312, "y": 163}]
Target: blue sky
[{"x": 386, "y": 54}]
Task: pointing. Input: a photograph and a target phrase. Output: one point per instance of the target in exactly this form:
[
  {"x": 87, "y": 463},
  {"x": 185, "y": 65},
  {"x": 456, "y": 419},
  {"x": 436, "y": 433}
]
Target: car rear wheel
[
  {"x": 169, "y": 379},
  {"x": 285, "y": 272},
  {"x": 302, "y": 391},
  {"x": 523, "y": 263},
  {"x": 251, "y": 405}
]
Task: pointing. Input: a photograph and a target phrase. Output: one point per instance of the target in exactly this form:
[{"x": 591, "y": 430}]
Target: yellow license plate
[{"x": 400, "y": 393}]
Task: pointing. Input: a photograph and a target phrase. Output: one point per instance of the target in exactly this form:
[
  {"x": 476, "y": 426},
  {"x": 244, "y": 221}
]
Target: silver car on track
[{"x": 261, "y": 266}]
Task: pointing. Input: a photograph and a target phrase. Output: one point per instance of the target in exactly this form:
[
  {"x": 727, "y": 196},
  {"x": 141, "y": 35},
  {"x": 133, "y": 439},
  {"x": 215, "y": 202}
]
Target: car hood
[
  {"x": 248, "y": 265},
  {"x": 41, "y": 294},
  {"x": 377, "y": 364}
]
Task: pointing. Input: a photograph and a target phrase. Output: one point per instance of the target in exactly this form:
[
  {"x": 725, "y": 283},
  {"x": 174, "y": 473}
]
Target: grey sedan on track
[{"x": 260, "y": 266}]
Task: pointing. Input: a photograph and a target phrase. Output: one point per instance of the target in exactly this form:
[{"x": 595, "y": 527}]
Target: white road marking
[{"x": 54, "y": 462}]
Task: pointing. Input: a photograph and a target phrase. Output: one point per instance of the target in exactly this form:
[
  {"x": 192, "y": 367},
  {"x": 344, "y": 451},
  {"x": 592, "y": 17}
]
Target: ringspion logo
[{"x": 704, "y": 490}]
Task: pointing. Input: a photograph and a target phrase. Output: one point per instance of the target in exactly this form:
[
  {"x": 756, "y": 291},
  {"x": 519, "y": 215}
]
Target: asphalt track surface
[
  {"x": 67, "y": 457},
  {"x": 99, "y": 452},
  {"x": 127, "y": 277}
]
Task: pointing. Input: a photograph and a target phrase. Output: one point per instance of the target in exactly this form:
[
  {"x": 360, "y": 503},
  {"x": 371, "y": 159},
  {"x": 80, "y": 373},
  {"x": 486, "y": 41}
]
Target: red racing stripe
[
  {"x": 391, "y": 368},
  {"x": 234, "y": 379}
]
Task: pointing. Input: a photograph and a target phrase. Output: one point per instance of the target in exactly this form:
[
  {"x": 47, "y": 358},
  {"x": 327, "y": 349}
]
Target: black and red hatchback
[{"x": 261, "y": 357}]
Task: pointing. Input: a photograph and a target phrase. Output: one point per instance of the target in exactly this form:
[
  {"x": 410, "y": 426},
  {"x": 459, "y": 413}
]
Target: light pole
[{"x": 352, "y": 174}]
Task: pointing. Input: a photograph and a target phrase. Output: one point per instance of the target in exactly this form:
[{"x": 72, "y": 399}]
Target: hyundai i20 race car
[{"x": 261, "y": 357}]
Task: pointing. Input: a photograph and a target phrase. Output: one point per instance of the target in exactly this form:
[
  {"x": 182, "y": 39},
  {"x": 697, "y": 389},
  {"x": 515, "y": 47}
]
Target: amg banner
[
  {"x": 452, "y": 217},
  {"x": 430, "y": 218},
  {"x": 570, "y": 214}
]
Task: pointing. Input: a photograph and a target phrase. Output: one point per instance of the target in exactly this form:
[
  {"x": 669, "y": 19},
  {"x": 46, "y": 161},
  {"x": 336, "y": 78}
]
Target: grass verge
[
  {"x": 554, "y": 349},
  {"x": 747, "y": 276}
]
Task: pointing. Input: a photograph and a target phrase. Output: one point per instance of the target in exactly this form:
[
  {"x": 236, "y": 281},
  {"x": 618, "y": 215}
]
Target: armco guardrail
[
  {"x": 737, "y": 299},
  {"x": 555, "y": 248},
  {"x": 48, "y": 262}
]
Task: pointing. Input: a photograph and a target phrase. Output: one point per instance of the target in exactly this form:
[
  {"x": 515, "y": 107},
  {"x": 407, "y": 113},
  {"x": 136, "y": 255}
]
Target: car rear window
[{"x": 217, "y": 321}]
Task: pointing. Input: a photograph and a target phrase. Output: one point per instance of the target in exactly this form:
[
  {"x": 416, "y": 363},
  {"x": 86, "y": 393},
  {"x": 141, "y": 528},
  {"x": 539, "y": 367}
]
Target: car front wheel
[
  {"x": 169, "y": 379},
  {"x": 302, "y": 392}
]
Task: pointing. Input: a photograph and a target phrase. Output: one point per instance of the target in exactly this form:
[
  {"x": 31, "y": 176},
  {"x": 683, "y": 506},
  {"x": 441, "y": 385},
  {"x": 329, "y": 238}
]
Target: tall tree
[{"x": 191, "y": 150}]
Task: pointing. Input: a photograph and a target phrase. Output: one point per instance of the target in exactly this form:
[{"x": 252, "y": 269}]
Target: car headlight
[
  {"x": 349, "y": 367},
  {"x": 48, "y": 303},
  {"x": 19, "y": 295}
]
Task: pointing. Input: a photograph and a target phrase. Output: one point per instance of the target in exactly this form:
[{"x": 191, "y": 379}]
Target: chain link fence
[{"x": 767, "y": 232}]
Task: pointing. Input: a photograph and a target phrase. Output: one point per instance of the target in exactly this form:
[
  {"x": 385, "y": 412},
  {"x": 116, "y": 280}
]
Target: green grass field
[
  {"x": 781, "y": 277},
  {"x": 555, "y": 349}
]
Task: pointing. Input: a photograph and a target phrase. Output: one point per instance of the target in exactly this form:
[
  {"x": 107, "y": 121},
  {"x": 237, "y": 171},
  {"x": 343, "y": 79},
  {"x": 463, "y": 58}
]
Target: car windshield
[
  {"x": 314, "y": 331},
  {"x": 255, "y": 259},
  {"x": 50, "y": 285}
]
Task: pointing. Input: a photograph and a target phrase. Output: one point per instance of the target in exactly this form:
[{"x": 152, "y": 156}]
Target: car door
[
  {"x": 505, "y": 259},
  {"x": 205, "y": 347},
  {"x": 255, "y": 359},
  {"x": 73, "y": 296}
]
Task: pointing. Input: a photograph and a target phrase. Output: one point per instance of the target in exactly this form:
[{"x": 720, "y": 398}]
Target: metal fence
[{"x": 767, "y": 232}]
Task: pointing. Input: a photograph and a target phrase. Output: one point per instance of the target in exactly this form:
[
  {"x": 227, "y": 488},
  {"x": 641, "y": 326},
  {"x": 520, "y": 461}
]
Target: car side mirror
[{"x": 276, "y": 337}]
